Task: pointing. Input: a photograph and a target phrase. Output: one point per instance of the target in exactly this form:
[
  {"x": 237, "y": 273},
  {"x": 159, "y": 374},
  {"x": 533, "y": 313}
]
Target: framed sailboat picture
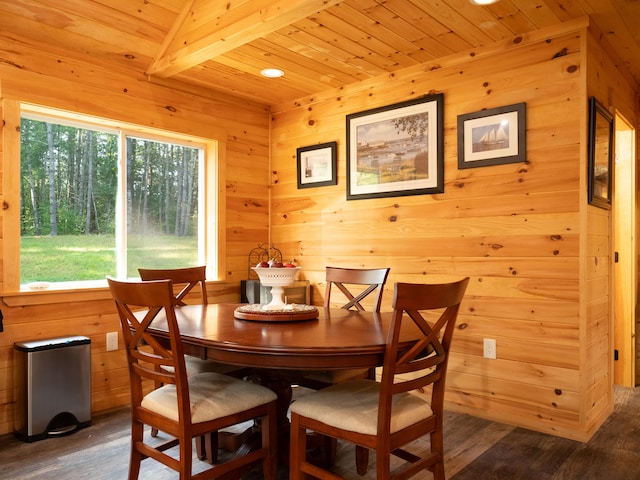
[{"x": 492, "y": 137}]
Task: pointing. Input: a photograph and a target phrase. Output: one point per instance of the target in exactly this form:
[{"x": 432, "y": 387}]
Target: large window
[{"x": 98, "y": 200}]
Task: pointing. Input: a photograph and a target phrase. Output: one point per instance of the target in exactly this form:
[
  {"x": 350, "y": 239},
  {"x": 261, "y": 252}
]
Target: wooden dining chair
[
  {"x": 365, "y": 282},
  {"x": 184, "y": 407},
  {"x": 184, "y": 280},
  {"x": 345, "y": 279},
  {"x": 386, "y": 416}
]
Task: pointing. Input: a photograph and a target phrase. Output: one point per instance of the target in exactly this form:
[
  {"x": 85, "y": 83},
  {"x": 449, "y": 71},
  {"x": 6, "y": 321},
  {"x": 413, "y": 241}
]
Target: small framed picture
[
  {"x": 492, "y": 137},
  {"x": 317, "y": 165}
]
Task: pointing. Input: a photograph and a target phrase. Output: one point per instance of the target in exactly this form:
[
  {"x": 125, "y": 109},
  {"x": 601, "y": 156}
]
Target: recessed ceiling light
[
  {"x": 483, "y": 2},
  {"x": 272, "y": 73}
]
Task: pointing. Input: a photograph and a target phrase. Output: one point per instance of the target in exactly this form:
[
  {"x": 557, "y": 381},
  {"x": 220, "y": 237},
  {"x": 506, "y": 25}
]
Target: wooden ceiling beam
[{"x": 206, "y": 29}]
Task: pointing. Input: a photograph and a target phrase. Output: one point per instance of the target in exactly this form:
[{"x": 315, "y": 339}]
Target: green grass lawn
[{"x": 92, "y": 257}]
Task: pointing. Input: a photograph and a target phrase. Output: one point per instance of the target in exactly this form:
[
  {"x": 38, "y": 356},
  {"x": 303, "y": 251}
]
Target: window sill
[
  {"x": 57, "y": 292},
  {"x": 62, "y": 286},
  {"x": 62, "y": 292}
]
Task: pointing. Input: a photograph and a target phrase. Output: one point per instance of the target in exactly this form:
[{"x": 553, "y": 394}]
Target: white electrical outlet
[
  {"x": 489, "y": 348},
  {"x": 112, "y": 341}
]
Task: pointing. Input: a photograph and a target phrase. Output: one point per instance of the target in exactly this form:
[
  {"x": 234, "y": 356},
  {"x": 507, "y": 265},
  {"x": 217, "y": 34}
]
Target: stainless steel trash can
[{"x": 53, "y": 387}]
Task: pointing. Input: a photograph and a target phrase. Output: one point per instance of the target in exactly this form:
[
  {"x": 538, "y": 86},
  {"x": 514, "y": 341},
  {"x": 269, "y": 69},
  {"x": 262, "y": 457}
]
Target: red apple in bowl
[
  {"x": 262, "y": 265},
  {"x": 288, "y": 265},
  {"x": 276, "y": 264}
]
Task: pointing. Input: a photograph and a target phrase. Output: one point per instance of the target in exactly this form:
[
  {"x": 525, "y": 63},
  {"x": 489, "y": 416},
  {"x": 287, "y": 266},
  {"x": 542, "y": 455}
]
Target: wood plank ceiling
[{"x": 319, "y": 44}]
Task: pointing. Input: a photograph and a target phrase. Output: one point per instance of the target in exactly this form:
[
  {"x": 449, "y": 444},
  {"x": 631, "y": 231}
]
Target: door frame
[{"x": 625, "y": 254}]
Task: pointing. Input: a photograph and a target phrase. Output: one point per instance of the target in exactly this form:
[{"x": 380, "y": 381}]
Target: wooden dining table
[
  {"x": 336, "y": 339},
  {"x": 274, "y": 352}
]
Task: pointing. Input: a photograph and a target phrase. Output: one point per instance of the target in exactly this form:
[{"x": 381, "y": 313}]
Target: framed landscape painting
[{"x": 396, "y": 150}]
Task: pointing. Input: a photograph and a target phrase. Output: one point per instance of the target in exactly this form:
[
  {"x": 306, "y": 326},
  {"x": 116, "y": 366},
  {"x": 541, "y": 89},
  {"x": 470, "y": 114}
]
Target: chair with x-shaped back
[
  {"x": 370, "y": 283},
  {"x": 406, "y": 404},
  {"x": 185, "y": 280},
  {"x": 353, "y": 287},
  {"x": 345, "y": 279},
  {"x": 183, "y": 407}
]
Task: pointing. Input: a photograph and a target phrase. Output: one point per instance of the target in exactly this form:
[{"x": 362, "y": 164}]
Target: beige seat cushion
[
  {"x": 353, "y": 406},
  {"x": 212, "y": 396}
]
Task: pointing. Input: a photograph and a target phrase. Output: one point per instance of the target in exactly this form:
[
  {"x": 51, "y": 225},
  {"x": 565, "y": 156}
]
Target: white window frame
[{"x": 210, "y": 201}]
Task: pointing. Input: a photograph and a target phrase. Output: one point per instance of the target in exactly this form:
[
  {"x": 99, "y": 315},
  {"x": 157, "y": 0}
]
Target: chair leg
[
  {"x": 383, "y": 464},
  {"x": 137, "y": 432},
  {"x": 134, "y": 465},
  {"x": 201, "y": 447},
  {"x": 437, "y": 447},
  {"x": 329, "y": 450},
  {"x": 298, "y": 448},
  {"x": 362, "y": 460},
  {"x": 207, "y": 447},
  {"x": 186, "y": 450},
  {"x": 438, "y": 471},
  {"x": 270, "y": 440}
]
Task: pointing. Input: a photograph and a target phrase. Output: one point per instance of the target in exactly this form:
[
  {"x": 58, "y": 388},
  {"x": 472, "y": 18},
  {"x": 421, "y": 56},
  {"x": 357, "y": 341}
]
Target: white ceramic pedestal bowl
[{"x": 277, "y": 279}]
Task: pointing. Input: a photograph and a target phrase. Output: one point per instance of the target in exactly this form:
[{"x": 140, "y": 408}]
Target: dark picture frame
[
  {"x": 492, "y": 137},
  {"x": 600, "y": 154},
  {"x": 317, "y": 165},
  {"x": 396, "y": 150}
]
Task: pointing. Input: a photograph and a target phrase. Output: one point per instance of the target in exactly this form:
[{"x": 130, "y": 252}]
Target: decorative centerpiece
[
  {"x": 277, "y": 276},
  {"x": 265, "y": 263},
  {"x": 291, "y": 313}
]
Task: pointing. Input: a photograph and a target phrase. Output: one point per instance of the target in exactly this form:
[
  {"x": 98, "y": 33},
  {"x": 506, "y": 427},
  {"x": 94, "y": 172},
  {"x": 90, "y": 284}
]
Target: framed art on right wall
[
  {"x": 492, "y": 137},
  {"x": 600, "y": 154}
]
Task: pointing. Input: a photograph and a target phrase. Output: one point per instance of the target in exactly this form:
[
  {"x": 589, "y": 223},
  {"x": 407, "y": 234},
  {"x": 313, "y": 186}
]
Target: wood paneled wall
[
  {"x": 612, "y": 88},
  {"x": 29, "y": 74},
  {"x": 536, "y": 253}
]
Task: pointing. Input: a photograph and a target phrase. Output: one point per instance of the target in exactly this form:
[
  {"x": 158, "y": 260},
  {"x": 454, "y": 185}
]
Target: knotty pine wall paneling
[
  {"x": 44, "y": 75},
  {"x": 520, "y": 231},
  {"x": 612, "y": 88}
]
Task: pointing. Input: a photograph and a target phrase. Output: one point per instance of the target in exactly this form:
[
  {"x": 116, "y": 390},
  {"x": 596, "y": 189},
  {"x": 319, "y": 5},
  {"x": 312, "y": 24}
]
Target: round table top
[{"x": 336, "y": 339}]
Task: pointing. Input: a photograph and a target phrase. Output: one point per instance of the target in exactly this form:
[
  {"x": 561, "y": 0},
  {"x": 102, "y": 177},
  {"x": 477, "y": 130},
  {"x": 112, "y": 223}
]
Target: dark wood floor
[{"x": 476, "y": 450}]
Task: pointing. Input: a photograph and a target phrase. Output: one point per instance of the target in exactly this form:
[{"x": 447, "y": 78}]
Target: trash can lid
[{"x": 49, "y": 343}]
